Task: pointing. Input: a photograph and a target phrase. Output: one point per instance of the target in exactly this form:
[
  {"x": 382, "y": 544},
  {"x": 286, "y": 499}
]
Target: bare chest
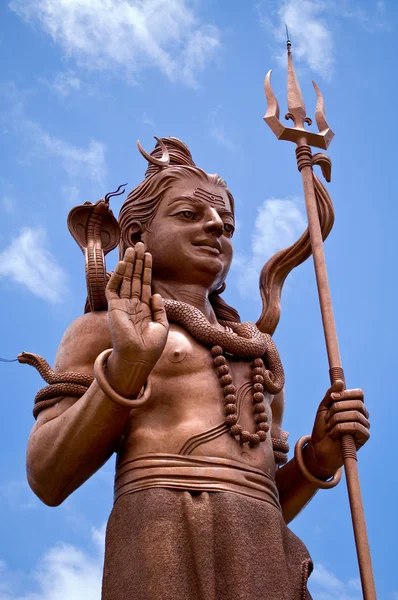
[
  {"x": 184, "y": 357},
  {"x": 187, "y": 405}
]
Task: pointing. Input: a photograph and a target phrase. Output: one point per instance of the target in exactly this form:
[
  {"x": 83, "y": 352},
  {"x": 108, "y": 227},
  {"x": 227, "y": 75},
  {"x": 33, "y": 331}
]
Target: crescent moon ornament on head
[{"x": 159, "y": 162}]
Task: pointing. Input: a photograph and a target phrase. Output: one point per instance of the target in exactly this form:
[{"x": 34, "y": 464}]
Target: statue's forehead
[
  {"x": 215, "y": 200},
  {"x": 200, "y": 192}
]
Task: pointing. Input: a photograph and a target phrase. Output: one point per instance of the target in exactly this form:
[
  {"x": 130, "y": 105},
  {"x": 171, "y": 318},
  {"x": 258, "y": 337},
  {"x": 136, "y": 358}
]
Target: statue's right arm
[{"x": 73, "y": 439}]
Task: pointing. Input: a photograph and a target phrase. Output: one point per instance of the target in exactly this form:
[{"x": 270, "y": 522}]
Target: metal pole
[{"x": 347, "y": 442}]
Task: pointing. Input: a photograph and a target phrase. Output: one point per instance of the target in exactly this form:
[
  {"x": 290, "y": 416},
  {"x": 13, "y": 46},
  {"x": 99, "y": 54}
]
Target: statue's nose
[{"x": 213, "y": 223}]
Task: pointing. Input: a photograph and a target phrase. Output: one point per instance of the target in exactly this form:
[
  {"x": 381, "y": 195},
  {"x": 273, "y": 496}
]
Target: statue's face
[{"x": 191, "y": 234}]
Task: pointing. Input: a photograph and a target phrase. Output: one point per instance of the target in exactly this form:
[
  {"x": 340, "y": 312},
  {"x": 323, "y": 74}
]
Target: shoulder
[
  {"x": 83, "y": 340},
  {"x": 81, "y": 343}
]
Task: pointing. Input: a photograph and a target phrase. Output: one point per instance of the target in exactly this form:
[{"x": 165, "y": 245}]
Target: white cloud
[
  {"x": 325, "y": 585},
  {"x": 147, "y": 120},
  {"x": 278, "y": 224},
  {"x": 311, "y": 24},
  {"x": 127, "y": 35},
  {"x": 309, "y": 30},
  {"x": 217, "y": 130},
  {"x": 28, "y": 262},
  {"x": 64, "y": 573},
  {"x": 87, "y": 162},
  {"x": 82, "y": 164},
  {"x": 65, "y": 83}
]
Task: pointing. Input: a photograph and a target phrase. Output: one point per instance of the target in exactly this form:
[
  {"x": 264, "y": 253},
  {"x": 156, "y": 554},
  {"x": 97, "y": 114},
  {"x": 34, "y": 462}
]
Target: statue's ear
[{"x": 133, "y": 234}]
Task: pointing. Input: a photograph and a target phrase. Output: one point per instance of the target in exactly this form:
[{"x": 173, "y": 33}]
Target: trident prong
[{"x": 296, "y": 112}]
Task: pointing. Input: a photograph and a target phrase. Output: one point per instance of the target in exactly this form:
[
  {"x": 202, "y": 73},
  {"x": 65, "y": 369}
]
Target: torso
[{"x": 187, "y": 400}]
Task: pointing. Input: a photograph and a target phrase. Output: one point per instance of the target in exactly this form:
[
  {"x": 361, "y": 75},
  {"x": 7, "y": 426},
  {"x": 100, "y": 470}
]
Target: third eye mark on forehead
[{"x": 213, "y": 199}]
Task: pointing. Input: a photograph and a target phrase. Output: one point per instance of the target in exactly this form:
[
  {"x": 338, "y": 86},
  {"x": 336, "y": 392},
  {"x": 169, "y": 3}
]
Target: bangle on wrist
[
  {"x": 105, "y": 386},
  {"x": 319, "y": 483}
]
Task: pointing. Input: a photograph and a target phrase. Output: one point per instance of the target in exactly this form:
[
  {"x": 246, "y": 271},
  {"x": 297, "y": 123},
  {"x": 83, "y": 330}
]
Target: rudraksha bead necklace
[{"x": 230, "y": 400}]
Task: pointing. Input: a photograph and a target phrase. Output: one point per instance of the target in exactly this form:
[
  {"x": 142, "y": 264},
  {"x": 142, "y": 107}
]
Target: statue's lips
[{"x": 213, "y": 247}]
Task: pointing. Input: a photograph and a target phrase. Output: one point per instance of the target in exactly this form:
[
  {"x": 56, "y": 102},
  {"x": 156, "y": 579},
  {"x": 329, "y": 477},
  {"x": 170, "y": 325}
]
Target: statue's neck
[{"x": 195, "y": 295}]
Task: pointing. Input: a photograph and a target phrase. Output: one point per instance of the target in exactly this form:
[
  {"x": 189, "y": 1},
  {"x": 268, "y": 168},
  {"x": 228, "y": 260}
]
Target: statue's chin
[
  {"x": 199, "y": 266},
  {"x": 207, "y": 276}
]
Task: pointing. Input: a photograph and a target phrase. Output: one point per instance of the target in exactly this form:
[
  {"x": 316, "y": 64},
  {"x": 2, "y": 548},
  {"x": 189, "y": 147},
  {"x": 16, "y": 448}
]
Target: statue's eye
[
  {"x": 188, "y": 214},
  {"x": 229, "y": 229}
]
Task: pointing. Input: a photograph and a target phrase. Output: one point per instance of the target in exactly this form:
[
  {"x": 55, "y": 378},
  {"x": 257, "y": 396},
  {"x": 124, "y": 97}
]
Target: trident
[{"x": 305, "y": 161}]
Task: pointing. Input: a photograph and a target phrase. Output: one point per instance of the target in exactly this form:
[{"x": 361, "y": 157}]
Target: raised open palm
[{"x": 137, "y": 320}]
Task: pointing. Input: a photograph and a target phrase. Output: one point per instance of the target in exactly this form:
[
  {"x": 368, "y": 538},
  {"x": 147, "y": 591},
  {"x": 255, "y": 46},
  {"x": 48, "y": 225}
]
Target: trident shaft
[{"x": 304, "y": 139}]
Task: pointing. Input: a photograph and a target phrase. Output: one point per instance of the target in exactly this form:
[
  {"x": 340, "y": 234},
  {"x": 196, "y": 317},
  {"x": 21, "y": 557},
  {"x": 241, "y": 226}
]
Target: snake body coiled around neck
[{"x": 245, "y": 341}]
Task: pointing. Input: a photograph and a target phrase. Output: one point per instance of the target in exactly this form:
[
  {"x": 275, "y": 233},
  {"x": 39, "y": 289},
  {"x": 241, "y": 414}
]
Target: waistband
[{"x": 197, "y": 473}]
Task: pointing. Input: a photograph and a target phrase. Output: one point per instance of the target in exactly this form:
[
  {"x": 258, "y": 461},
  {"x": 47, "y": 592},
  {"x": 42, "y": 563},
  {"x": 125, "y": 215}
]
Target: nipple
[{"x": 177, "y": 355}]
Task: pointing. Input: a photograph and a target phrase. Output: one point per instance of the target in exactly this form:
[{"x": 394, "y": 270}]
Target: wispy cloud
[
  {"x": 127, "y": 35},
  {"x": 18, "y": 495},
  {"x": 86, "y": 162},
  {"x": 82, "y": 164},
  {"x": 65, "y": 572},
  {"x": 28, "y": 262},
  {"x": 72, "y": 194},
  {"x": 372, "y": 16},
  {"x": 311, "y": 25},
  {"x": 278, "y": 224},
  {"x": 64, "y": 84},
  {"x": 147, "y": 120},
  {"x": 217, "y": 130},
  {"x": 218, "y": 134},
  {"x": 308, "y": 26},
  {"x": 325, "y": 585}
]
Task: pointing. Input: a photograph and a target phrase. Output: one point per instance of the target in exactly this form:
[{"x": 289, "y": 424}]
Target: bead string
[{"x": 230, "y": 400}]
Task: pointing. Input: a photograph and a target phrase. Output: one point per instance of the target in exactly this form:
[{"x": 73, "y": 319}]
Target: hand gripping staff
[{"x": 305, "y": 161}]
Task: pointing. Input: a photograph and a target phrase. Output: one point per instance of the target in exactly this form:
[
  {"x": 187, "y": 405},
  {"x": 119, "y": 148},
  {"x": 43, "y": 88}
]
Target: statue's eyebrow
[{"x": 185, "y": 198}]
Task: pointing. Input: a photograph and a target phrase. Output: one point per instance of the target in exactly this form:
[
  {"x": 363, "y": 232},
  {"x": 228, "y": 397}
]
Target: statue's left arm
[{"x": 341, "y": 412}]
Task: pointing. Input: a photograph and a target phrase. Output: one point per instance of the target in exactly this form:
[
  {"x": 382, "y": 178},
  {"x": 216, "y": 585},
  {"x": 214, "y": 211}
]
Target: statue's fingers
[
  {"x": 125, "y": 288},
  {"x": 137, "y": 272},
  {"x": 158, "y": 310},
  {"x": 354, "y": 394},
  {"x": 129, "y": 255},
  {"x": 349, "y": 416},
  {"x": 112, "y": 288},
  {"x": 346, "y": 405},
  {"x": 357, "y": 430},
  {"x": 146, "y": 290}
]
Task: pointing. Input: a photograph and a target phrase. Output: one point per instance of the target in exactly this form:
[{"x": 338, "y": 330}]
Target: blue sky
[{"x": 81, "y": 81}]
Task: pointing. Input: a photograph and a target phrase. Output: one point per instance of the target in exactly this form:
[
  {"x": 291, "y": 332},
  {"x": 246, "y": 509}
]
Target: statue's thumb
[{"x": 337, "y": 386}]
